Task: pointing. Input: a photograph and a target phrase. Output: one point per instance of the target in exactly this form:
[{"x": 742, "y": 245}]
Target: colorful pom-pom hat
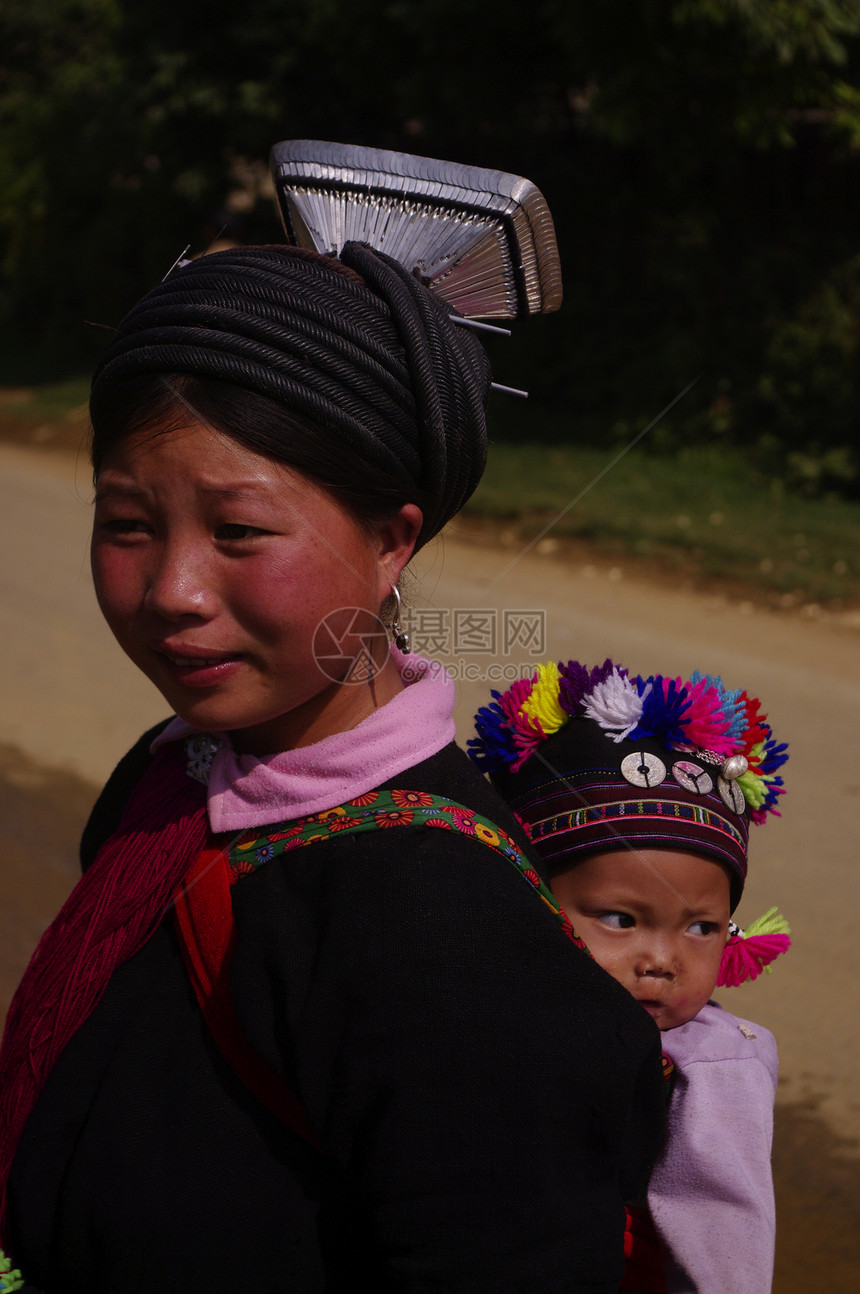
[{"x": 595, "y": 759}]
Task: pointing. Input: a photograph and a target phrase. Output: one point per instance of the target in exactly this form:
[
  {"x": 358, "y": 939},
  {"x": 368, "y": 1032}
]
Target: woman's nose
[{"x": 180, "y": 584}]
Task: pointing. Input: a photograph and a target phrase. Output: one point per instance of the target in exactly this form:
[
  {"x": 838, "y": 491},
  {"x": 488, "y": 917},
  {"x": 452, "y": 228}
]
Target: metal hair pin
[
  {"x": 509, "y": 390},
  {"x": 478, "y": 326},
  {"x": 179, "y": 262},
  {"x": 503, "y": 332}
]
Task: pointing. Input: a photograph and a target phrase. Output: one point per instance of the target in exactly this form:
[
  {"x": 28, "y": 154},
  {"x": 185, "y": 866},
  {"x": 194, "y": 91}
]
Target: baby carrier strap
[{"x": 203, "y": 913}]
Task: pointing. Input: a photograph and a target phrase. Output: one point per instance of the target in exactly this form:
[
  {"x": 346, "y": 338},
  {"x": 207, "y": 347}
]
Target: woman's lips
[
  {"x": 198, "y": 669},
  {"x": 194, "y": 662}
]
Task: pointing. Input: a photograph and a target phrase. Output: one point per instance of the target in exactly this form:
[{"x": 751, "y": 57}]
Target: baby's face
[{"x": 656, "y": 920}]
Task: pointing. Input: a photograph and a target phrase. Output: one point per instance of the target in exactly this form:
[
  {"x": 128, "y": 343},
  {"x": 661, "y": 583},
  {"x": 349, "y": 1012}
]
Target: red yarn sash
[
  {"x": 108, "y": 917},
  {"x": 644, "y": 1272},
  {"x": 203, "y": 912}
]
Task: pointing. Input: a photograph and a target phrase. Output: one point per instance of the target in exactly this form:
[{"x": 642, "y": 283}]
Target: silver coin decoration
[
  {"x": 731, "y": 795},
  {"x": 643, "y": 769},
  {"x": 201, "y": 749},
  {"x": 735, "y": 766},
  {"x": 692, "y": 777},
  {"x": 481, "y": 239}
]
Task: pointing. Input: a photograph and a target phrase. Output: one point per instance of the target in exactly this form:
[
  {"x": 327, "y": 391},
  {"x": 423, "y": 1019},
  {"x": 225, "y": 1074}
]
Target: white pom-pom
[{"x": 615, "y": 704}]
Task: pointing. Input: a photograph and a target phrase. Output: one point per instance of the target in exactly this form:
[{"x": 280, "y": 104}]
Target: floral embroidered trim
[{"x": 380, "y": 810}]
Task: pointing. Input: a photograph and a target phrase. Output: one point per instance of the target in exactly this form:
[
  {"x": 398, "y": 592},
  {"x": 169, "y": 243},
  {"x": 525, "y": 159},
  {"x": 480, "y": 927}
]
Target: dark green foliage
[{"x": 700, "y": 156}]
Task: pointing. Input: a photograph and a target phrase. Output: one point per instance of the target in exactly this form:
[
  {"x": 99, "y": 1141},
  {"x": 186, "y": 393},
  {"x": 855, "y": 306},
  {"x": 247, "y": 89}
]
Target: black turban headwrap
[{"x": 377, "y": 363}]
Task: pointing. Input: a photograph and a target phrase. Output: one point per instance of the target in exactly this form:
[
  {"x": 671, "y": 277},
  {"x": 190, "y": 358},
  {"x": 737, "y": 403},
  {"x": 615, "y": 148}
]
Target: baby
[{"x": 638, "y": 795}]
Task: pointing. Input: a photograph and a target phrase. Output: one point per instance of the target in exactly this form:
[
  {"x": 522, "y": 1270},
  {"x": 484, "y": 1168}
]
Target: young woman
[{"x": 301, "y": 1026}]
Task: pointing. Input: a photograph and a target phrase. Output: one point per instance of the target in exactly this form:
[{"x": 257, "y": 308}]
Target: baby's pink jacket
[{"x": 711, "y": 1192}]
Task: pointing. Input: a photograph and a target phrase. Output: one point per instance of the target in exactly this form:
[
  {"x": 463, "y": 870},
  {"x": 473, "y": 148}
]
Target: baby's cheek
[
  {"x": 684, "y": 1009},
  {"x": 610, "y": 957}
]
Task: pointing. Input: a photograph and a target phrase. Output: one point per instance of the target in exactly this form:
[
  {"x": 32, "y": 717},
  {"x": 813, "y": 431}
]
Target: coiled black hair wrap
[{"x": 377, "y": 363}]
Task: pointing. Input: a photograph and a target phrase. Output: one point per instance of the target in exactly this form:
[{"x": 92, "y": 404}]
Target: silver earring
[{"x": 398, "y": 633}]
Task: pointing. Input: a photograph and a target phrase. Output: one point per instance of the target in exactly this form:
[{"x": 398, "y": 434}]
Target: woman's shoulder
[
  {"x": 108, "y": 808},
  {"x": 452, "y": 775},
  {"x": 405, "y": 851},
  {"x": 428, "y": 896}
]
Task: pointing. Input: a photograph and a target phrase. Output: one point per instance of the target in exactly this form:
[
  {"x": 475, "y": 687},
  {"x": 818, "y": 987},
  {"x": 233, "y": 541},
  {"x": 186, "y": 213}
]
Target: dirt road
[{"x": 72, "y": 705}]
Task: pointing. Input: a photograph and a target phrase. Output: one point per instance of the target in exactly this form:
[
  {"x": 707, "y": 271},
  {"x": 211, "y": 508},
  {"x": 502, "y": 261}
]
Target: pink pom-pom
[
  {"x": 705, "y": 723},
  {"x": 527, "y": 733},
  {"x": 745, "y": 959}
]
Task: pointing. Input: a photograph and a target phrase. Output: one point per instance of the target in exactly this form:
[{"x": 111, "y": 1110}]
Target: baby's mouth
[{"x": 652, "y": 1005}]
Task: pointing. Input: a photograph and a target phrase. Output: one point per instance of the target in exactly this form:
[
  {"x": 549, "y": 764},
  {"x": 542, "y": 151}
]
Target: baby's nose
[{"x": 657, "y": 959}]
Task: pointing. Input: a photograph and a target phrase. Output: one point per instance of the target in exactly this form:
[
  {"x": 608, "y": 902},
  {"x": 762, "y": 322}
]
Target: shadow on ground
[
  {"x": 817, "y": 1176},
  {"x": 817, "y": 1173},
  {"x": 42, "y": 812}
]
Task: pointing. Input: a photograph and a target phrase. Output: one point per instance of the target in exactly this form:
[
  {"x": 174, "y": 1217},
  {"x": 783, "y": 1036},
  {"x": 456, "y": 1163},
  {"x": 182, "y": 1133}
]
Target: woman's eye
[
  {"x": 703, "y": 928},
  {"x": 235, "y": 530},
  {"x": 119, "y": 526},
  {"x": 617, "y": 920}
]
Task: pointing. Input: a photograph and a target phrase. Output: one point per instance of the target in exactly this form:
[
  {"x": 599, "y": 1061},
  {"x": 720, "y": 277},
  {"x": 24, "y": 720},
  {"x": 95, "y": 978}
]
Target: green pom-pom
[
  {"x": 10, "y": 1277},
  {"x": 771, "y": 922}
]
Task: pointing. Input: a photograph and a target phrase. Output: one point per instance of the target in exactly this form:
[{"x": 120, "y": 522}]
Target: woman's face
[{"x": 246, "y": 593}]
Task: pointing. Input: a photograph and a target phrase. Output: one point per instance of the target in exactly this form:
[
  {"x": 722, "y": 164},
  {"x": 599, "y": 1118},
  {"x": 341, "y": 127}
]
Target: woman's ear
[{"x": 396, "y": 538}]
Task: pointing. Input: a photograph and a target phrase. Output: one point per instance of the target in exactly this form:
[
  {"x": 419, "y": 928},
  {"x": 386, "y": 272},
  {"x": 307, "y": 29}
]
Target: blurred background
[
  {"x": 702, "y": 162},
  {"x": 701, "y": 159}
]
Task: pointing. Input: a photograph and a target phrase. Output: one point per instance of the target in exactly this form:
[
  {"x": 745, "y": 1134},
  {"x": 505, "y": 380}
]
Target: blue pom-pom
[
  {"x": 662, "y": 714},
  {"x": 773, "y": 756},
  {"x": 494, "y": 747}
]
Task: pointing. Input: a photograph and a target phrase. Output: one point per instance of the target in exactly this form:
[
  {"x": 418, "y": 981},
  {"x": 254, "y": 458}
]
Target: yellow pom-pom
[{"x": 542, "y": 704}]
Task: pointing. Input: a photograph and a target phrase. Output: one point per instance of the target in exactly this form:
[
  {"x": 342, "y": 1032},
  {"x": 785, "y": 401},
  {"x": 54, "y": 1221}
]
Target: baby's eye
[
  {"x": 703, "y": 928},
  {"x": 617, "y": 920}
]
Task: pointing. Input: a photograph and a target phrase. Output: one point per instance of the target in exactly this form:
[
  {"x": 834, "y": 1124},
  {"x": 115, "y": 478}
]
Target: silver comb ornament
[{"x": 483, "y": 240}]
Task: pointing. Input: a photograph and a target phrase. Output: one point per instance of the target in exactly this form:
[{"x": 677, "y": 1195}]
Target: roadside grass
[
  {"x": 703, "y": 513},
  {"x": 53, "y": 415}
]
